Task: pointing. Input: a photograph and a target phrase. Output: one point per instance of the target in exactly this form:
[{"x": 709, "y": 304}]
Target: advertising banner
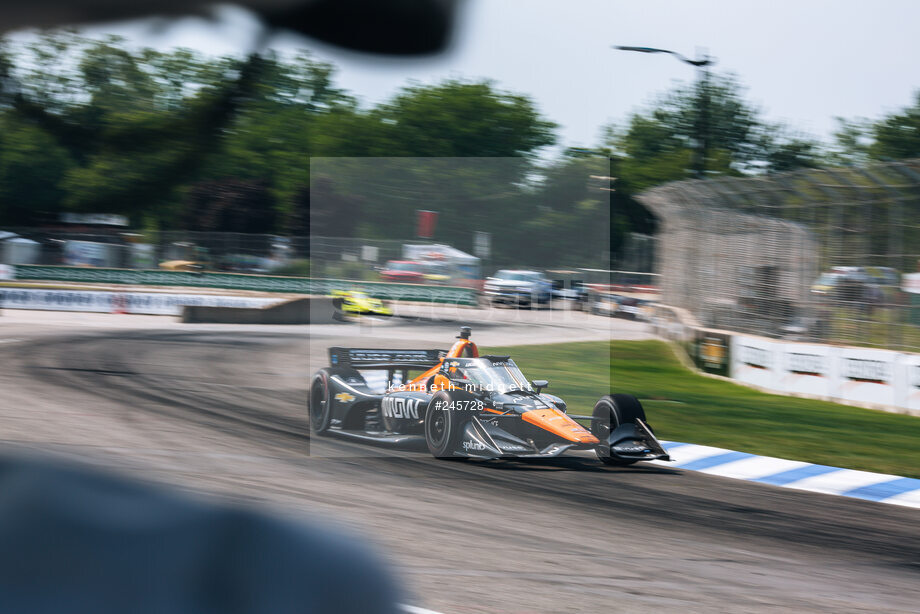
[
  {"x": 911, "y": 388},
  {"x": 264, "y": 283},
  {"x": 807, "y": 369},
  {"x": 7, "y": 272},
  {"x": 849, "y": 375},
  {"x": 150, "y": 303},
  {"x": 755, "y": 361},
  {"x": 867, "y": 376},
  {"x": 712, "y": 352}
]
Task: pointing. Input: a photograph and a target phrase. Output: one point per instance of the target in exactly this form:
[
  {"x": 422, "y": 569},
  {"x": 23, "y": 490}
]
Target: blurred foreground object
[
  {"x": 399, "y": 27},
  {"x": 78, "y": 541}
]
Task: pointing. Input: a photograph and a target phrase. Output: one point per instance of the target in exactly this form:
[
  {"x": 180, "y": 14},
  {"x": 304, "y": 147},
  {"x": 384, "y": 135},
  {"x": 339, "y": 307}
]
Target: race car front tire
[
  {"x": 620, "y": 409},
  {"x": 443, "y": 425},
  {"x": 320, "y": 407}
]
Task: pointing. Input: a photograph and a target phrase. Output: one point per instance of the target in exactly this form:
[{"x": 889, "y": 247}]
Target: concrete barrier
[{"x": 294, "y": 311}]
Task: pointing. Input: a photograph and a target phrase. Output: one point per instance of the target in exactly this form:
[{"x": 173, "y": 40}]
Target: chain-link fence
[
  {"x": 637, "y": 254},
  {"x": 354, "y": 258},
  {"x": 814, "y": 254}
]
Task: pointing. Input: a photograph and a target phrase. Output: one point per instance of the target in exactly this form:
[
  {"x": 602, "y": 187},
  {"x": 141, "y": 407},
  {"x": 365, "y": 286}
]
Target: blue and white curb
[{"x": 793, "y": 474}]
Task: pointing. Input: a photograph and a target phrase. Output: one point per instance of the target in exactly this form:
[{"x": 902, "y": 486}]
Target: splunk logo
[
  {"x": 806, "y": 364},
  {"x": 870, "y": 371},
  {"x": 755, "y": 357},
  {"x": 473, "y": 445}
]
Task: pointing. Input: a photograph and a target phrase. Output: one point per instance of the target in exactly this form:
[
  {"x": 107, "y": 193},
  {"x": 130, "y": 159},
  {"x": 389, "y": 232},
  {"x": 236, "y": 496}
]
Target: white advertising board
[
  {"x": 911, "y": 387},
  {"x": 7, "y": 271},
  {"x": 149, "y": 303},
  {"x": 862, "y": 376},
  {"x": 755, "y": 361},
  {"x": 807, "y": 369},
  {"x": 866, "y": 376}
]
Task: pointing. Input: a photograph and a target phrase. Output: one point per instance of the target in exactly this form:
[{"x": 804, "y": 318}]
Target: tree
[
  {"x": 231, "y": 205},
  {"x": 31, "y": 167},
  {"x": 137, "y": 125},
  {"x": 326, "y": 212},
  {"x": 783, "y": 151},
  {"x": 564, "y": 218},
  {"x": 658, "y": 144},
  {"x": 892, "y": 137},
  {"x": 179, "y": 140},
  {"x": 460, "y": 118},
  {"x": 897, "y": 136},
  {"x": 852, "y": 139},
  {"x": 457, "y": 147}
]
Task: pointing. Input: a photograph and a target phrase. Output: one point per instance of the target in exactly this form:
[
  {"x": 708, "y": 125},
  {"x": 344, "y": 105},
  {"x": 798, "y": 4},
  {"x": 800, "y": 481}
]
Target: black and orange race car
[{"x": 468, "y": 406}]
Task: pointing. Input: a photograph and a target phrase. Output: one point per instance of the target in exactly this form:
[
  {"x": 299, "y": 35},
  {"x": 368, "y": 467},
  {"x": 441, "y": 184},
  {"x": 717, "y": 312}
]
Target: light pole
[{"x": 701, "y": 124}]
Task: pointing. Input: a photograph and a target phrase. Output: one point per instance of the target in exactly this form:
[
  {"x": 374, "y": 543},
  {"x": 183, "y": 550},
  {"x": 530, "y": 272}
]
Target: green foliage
[
  {"x": 897, "y": 135},
  {"x": 565, "y": 220},
  {"x": 174, "y": 139},
  {"x": 31, "y": 165},
  {"x": 660, "y": 143},
  {"x": 786, "y": 152},
  {"x": 893, "y": 137},
  {"x": 851, "y": 142},
  {"x": 461, "y": 119}
]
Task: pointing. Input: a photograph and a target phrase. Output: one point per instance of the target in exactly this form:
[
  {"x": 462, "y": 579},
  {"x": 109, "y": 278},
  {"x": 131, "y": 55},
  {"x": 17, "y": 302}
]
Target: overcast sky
[{"x": 804, "y": 61}]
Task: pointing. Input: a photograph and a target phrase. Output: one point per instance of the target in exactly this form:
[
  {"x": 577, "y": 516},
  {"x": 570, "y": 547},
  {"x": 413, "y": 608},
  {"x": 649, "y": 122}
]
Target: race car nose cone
[{"x": 558, "y": 423}]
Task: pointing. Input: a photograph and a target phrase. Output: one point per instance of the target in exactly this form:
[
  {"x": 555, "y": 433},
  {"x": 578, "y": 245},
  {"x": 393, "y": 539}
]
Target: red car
[{"x": 403, "y": 271}]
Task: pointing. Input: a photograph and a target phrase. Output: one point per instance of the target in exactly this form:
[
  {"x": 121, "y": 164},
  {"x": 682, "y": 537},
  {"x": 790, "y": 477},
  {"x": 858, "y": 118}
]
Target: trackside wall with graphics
[
  {"x": 236, "y": 281},
  {"x": 862, "y": 376},
  {"x": 882, "y": 379},
  {"x": 147, "y": 303}
]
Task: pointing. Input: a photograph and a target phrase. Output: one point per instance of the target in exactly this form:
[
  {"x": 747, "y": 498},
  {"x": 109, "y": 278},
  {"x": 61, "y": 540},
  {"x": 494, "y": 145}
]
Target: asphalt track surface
[{"x": 222, "y": 410}]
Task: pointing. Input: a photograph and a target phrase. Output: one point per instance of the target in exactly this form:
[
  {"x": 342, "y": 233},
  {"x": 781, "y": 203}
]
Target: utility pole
[{"x": 701, "y": 125}]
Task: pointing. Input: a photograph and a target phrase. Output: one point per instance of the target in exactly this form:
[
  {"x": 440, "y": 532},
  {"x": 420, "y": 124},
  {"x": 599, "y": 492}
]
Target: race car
[
  {"x": 351, "y": 302},
  {"x": 464, "y": 405}
]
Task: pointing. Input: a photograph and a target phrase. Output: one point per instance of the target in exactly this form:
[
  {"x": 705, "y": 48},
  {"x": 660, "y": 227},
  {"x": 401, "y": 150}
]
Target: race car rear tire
[
  {"x": 621, "y": 409},
  {"x": 320, "y": 405},
  {"x": 442, "y": 426}
]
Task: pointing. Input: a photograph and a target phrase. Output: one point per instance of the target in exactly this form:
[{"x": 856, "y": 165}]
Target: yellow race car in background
[{"x": 355, "y": 303}]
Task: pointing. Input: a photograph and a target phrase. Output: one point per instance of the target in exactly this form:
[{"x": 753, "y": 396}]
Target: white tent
[{"x": 465, "y": 265}]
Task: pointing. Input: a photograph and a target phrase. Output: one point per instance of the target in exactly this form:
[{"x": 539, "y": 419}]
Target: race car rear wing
[{"x": 360, "y": 358}]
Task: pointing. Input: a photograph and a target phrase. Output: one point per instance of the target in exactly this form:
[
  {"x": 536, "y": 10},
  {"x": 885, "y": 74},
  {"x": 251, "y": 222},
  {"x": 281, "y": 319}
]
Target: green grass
[{"x": 684, "y": 406}]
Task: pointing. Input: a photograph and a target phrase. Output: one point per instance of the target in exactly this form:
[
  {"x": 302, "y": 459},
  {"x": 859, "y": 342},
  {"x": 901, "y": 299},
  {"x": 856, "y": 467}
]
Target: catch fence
[{"x": 817, "y": 255}]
